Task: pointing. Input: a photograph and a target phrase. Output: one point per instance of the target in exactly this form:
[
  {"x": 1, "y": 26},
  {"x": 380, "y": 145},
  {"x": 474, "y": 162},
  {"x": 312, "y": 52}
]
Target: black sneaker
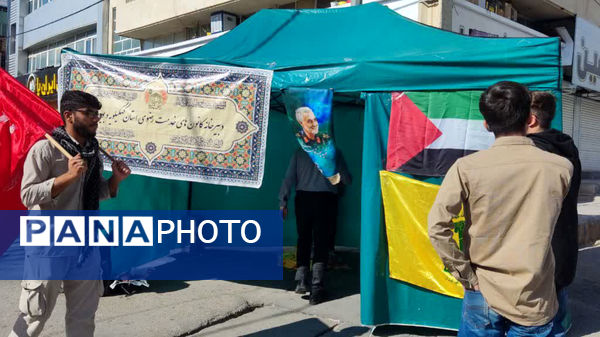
[{"x": 316, "y": 297}]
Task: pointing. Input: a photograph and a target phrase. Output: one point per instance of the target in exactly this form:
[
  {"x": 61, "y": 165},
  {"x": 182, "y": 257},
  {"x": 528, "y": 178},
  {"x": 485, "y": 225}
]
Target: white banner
[{"x": 193, "y": 122}]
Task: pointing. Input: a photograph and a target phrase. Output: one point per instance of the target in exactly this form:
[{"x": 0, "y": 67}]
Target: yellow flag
[{"x": 412, "y": 257}]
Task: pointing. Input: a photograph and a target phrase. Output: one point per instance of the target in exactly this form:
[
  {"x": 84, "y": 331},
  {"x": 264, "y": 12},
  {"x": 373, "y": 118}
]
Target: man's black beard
[{"x": 83, "y": 131}]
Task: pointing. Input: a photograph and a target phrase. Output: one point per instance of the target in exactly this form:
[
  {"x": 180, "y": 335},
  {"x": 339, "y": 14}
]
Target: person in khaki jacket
[
  {"x": 511, "y": 195},
  {"x": 53, "y": 182}
]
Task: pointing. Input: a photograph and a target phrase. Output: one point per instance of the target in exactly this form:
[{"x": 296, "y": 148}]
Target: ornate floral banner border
[{"x": 194, "y": 122}]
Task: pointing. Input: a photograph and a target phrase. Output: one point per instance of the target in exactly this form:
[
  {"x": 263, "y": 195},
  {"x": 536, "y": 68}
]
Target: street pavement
[
  {"x": 589, "y": 222},
  {"x": 269, "y": 308}
]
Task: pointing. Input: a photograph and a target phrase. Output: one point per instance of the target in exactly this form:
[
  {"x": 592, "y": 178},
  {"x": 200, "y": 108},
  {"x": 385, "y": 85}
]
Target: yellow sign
[{"x": 46, "y": 87}]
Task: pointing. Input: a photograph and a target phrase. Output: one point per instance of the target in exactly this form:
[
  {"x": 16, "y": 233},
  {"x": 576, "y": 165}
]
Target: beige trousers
[{"x": 39, "y": 297}]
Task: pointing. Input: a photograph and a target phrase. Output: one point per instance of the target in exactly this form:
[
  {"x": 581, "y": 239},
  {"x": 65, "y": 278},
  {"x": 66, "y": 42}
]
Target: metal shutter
[
  {"x": 589, "y": 139},
  {"x": 568, "y": 105}
]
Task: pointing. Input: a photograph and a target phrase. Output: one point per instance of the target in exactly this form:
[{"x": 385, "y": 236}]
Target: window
[
  {"x": 43, "y": 60},
  {"x": 35, "y": 4},
  {"x": 30, "y": 64},
  {"x": 79, "y": 46},
  {"x": 13, "y": 38},
  {"x": 38, "y": 61},
  {"x": 51, "y": 55},
  {"x": 127, "y": 44}
]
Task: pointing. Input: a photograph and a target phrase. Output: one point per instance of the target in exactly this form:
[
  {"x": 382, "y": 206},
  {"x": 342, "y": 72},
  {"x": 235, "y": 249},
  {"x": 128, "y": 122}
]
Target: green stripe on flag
[{"x": 448, "y": 104}]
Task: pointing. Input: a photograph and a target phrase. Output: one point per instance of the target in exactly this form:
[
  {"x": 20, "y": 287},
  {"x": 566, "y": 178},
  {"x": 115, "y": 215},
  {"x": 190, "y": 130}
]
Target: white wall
[
  {"x": 406, "y": 8},
  {"x": 466, "y": 15},
  {"x": 57, "y": 10}
]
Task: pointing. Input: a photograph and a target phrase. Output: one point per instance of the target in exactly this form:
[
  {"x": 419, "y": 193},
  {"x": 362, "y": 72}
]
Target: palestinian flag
[{"x": 429, "y": 131}]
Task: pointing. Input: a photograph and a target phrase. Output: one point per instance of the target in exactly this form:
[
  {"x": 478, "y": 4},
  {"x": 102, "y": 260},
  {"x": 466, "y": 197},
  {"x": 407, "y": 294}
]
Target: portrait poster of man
[{"x": 309, "y": 112}]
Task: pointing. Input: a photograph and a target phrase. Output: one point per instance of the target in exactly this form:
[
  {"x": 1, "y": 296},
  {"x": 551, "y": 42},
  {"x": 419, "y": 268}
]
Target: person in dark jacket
[
  {"x": 316, "y": 216},
  {"x": 564, "y": 241}
]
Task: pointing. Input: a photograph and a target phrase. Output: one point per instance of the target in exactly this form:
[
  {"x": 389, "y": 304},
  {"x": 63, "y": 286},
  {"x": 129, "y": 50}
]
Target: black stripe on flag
[{"x": 433, "y": 162}]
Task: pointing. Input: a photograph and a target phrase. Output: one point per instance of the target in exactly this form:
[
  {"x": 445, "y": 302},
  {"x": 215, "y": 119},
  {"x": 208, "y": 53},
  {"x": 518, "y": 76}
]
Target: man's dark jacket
[{"x": 565, "y": 241}]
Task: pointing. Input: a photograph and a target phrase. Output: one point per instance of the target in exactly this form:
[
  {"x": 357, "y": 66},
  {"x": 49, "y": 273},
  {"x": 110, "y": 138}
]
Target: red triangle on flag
[
  {"x": 24, "y": 119},
  {"x": 410, "y": 131}
]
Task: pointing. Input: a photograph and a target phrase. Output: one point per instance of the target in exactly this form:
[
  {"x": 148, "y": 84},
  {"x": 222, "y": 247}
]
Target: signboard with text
[
  {"x": 42, "y": 82},
  {"x": 586, "y": 61}
]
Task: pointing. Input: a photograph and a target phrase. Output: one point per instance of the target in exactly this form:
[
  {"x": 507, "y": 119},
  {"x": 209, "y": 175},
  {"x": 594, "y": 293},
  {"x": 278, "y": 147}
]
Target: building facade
[
  {"x": 3, "y": 31},
  {"x": 40, "y": 29},
  {"x": 173, "y": 27}
]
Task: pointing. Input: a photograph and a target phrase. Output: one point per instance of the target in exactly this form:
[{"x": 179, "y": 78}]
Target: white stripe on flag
[{"x": 462, "y": 134}]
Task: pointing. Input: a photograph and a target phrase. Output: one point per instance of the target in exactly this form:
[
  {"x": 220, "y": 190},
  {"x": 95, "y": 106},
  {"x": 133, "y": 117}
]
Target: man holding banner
[
  {"x": 65, "y": 173},
  {"x": 511, "y": 195}
]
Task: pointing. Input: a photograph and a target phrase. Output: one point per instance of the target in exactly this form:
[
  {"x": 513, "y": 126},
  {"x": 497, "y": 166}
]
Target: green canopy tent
[{"x": 365, "y": 50}]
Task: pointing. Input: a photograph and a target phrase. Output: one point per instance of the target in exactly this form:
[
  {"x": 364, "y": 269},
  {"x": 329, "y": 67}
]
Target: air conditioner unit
[{"x": 222, "y": 21}]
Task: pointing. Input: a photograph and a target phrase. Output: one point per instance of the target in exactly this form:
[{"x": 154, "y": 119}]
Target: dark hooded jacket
[{"x": 565, "y": 240}]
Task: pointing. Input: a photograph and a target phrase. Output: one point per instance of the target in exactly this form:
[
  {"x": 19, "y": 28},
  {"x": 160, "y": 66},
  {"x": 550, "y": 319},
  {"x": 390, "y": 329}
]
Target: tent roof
[{"x": 372, "y": 48}]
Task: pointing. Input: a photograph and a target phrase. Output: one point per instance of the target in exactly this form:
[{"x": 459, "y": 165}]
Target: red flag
[
  {"x": 410, "y": 131},
  {"x": 24, "y": 119}
]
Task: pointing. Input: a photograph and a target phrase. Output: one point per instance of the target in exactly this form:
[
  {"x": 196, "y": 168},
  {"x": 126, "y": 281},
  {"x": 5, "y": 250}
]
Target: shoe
[
  {"x": 316, "y": 296},
  {"x": 317, "y": 290},
  {"x": 302, "y": 286}
]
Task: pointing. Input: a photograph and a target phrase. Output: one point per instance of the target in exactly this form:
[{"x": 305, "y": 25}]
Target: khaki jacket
[
  {"x": 43, "y": 164},
  {"x": 512, "y": 195}
]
